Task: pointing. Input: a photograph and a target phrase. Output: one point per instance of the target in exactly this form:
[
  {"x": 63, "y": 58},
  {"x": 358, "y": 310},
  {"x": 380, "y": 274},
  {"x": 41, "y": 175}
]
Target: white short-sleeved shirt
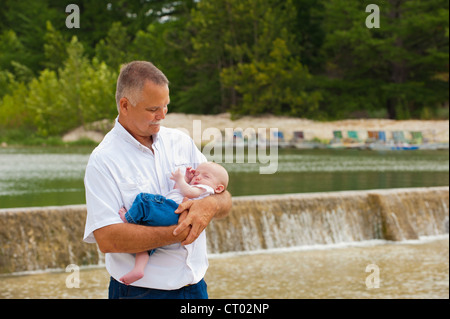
[{"x": 118, "y": 170}]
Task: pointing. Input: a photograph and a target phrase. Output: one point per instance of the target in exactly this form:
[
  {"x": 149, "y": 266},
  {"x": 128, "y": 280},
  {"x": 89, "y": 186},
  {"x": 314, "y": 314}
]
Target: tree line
[{"x": 306, "y": 58}]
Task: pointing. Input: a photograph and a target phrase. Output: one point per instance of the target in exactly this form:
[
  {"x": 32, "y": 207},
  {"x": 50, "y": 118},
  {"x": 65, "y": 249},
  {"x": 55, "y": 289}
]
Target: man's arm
[
  {"x": 131, "y": 238},
  {"x": 201, "y": 212},
  {"x": 223, "y": 204}
]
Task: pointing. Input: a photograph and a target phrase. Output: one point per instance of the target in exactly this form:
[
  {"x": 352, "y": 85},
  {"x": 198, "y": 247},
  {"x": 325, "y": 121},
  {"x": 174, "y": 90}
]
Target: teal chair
[
  {"x": 353, "y": 135},
  {"x": 399, "y": 137}
]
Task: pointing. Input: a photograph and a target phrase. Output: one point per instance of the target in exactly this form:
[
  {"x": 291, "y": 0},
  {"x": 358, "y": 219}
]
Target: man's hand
[
  {"x": 196, "y": 214},
  {"x": 199, "y": 214}
]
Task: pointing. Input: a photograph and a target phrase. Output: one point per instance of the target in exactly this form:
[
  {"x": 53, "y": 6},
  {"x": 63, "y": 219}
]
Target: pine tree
[{"x": 399, "y": 67}]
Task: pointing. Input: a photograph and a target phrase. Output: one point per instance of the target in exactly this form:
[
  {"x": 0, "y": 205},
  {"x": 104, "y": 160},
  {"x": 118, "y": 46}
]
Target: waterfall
[
  {"x": 40, "y": 238},
  {"x": 276, "y": 221},
  {"x": 51, "y": 237}
]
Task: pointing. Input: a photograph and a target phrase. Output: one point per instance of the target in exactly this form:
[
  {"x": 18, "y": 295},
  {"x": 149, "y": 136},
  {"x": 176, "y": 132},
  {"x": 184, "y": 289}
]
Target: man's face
[{"x": 144, "y": 118}]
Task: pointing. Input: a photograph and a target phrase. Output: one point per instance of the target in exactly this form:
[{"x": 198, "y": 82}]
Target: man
[{"x": 136, "y": 156}]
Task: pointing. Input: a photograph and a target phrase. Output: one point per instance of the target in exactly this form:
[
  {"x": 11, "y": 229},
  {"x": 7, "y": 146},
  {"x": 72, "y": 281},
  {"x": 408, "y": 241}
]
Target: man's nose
[{"x": 161, "y": 115}]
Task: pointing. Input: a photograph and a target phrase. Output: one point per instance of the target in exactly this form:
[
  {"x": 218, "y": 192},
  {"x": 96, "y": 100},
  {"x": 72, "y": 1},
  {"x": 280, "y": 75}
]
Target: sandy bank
[{"x": 434, "y": 130}]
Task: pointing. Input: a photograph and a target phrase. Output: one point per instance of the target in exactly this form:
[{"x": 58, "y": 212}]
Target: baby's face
[
  {"x": 204, "y": 175},
  {"x": 208, "y": 174}
]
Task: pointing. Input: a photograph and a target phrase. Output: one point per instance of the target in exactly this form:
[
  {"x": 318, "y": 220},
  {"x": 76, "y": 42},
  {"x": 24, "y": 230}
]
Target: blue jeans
[
  {"x": 118, "y": 290},
  {"x": 152, "y": 210}
]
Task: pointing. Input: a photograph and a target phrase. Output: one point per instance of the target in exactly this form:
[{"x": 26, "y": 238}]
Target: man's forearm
[{"x": 131, "y": 238}]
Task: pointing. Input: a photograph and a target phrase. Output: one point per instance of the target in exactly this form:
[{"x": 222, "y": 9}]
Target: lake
[{"x": 47, "y": 176}]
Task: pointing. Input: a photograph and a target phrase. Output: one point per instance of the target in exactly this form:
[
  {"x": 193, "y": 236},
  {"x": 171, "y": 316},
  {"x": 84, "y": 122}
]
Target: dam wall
[{"x": 41, "y": 238}]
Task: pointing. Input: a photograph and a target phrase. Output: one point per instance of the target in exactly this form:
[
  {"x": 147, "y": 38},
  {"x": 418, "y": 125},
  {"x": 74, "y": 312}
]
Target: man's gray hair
[{"x": 132, "y": 78}]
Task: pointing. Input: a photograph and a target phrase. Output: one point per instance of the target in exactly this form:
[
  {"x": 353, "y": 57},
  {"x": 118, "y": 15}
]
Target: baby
[{"x": 157, "y": 210}]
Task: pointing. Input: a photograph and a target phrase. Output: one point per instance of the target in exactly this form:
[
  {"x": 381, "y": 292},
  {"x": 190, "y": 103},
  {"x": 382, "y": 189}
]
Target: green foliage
[
  {"x": 305, "y": 58},
  {"x": 11, "y": 49},
  {"x": 402, "y": 66},
  {"x": 167, "y": 45},
  {"x": 113, "y": 49},
  {"x": 13, "y": 110},
  {"x": 245, "y": 45},
  {"x": 27, "y": 19},
  {"x": 276, "y": 85},
  {"x": 54, "y": 48},
  {"x": 56, "y": 101},
  {"x": 48, "y": 108},
  {"x": 6, "y": 78}
]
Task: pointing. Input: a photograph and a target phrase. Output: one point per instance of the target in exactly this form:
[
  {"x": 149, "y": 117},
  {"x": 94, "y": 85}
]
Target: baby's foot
[
  {"x": 122, "y": 213},
  {"x": 132, "y": 276}
]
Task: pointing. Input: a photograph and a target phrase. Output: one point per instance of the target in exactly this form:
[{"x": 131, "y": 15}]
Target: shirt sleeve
[
  {"x": 102, "y": 201},
  {"x": 208, "y": 190}
]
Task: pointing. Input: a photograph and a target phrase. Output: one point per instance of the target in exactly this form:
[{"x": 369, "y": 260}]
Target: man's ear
[
  {"x": 124, "y": 105},
  {"x": 219, "y": 189}
]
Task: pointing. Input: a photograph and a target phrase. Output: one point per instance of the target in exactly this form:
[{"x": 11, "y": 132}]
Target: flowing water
[{"x": 409, "y": 269}]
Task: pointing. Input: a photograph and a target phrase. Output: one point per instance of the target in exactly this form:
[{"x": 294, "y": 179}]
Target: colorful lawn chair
[
  {"x": 372, "y": 136},
  {"x": 279, "y": 137},
  {"x": 382, "y": 136},
  {"x": 337, "y": 135},
  {"x": 399, "y": 137},
  {"x": 299, "y": 136},
  {"x": 353, "y": 135},
  {"x": 417, "y": 137}
]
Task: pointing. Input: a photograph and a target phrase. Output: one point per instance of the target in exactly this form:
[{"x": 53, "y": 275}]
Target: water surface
[
  {"x": 54, "y": 176},
  {"x": 410, "y": 269}
]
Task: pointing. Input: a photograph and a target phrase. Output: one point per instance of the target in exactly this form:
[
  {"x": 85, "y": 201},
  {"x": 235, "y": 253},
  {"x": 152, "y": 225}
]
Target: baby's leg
[
  {"x": 138, "y": 270},
  {"x": 152, "y": 210}
]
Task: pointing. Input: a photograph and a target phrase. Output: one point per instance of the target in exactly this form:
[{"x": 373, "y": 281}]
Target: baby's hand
[
  {"x": 177, "y": 175},
  {"x": 190, "y": 172}
]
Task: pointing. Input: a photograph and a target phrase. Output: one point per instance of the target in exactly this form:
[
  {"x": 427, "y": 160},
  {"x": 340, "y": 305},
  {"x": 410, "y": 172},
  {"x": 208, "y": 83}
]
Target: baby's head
[{"x": 211, "y": 174}]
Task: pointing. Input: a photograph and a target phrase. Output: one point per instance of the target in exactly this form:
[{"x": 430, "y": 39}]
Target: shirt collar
[{"x": 122, "y": 132}]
